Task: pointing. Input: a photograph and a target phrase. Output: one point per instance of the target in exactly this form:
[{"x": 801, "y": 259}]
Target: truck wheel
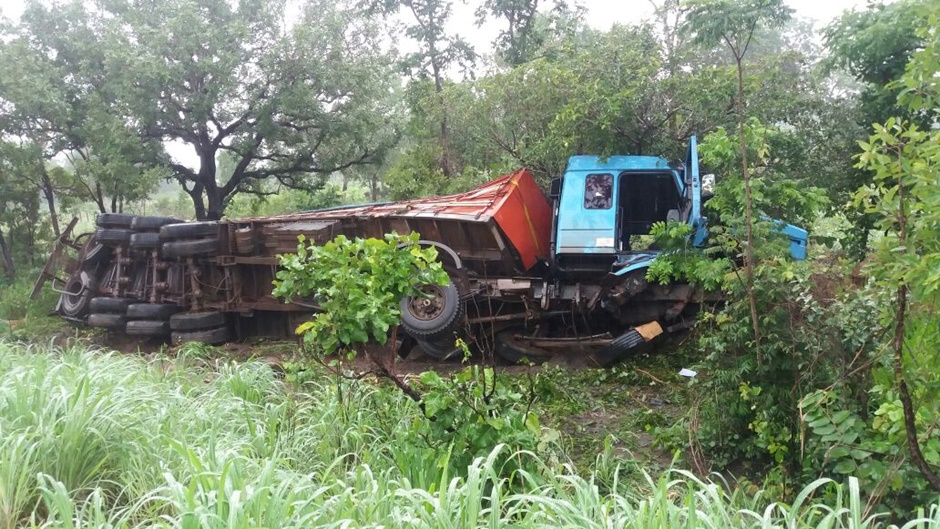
[
  {"x": 513, "y": 350},
  {"x": 441, "y": 349},
  {"x": 435, "y": 314},
  {"x": 189, "y": 230},
  {"x": 113, "y": 322},
  {"x": 209, "y": 336},
  {"x": 79, "y": 290},
  {"x": 147, "y": 328},
  {"x": 174, "y": 249},
  {"x": 109, "y": 305},
  {"x": 145, "y": 241},
  {"x": 115, "y": 220},
  {"x": 152, "y": 223},
  {"x": 196, "y": 321},
  {"x": 152, "y": 311},
  {"x": 95, "y": 254},
  {"x": 113, "y": 236}
]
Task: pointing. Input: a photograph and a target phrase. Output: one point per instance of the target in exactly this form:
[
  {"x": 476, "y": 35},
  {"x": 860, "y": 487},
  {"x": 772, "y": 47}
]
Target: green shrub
[{"x": 23, "y": 318}]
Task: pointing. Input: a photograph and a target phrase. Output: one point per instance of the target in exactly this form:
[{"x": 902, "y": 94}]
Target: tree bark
[
  {"x": 99, "y": 198},
  {"x": 7, "y": 260},
  {"x": 49, "y": 194},
  {"x": 446, "y": 167},
  {"x": 748, "y": 217}
]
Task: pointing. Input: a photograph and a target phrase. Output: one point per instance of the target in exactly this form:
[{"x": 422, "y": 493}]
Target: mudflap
[{"x": 626, "y": 343}]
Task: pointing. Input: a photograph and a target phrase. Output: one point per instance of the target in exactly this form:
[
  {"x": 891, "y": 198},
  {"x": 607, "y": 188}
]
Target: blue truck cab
[{"x": 605, "y": 207}]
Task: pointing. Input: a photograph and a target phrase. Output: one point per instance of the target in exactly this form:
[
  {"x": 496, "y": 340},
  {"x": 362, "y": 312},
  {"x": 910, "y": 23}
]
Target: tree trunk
[
  {"x": 215, "y": 203},
  {"x": 199, "y": 207},
  {"x": 445, "y": 138},
  {"x": 7, "y": 258},
  {"x": 910, "y": 417},
  {"x": 748, "y": 218},
  {"x": 99, "y": 198},
  {"x": 49, "y": 194}
]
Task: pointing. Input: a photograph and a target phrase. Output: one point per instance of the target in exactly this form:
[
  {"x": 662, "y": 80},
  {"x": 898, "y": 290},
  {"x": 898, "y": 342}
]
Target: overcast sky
[{"x": 600, "y": 13}]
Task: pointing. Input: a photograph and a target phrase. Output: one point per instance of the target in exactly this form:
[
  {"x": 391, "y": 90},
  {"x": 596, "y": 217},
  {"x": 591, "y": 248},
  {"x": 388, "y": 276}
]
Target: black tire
[
  {"x": 113, "y": 322},
  {"x": 113, "y": 236},
  {"x": 95, "y": 254},
  {"x": 115, "y": 220},
  {"x": 147, "y": 328},
  {"x": 619, "y": 347},
  {"x": 79, "y": 291},
  {"x": 199, "y": 247},
  {"x": 429, "y": 319},
  {"x": 209, "y": 336},
  {"x": 196, "y": 321},
  {"x": 109, "y": 305},
  {"x": 508, "y": 348},
  {"x": 440, "y": 349},
  {"x": 145, "y": 241},
  {"x": 152, "y": 223},
  {"x": 189, "y": 230},
  {"x": 152, "y": 311}
]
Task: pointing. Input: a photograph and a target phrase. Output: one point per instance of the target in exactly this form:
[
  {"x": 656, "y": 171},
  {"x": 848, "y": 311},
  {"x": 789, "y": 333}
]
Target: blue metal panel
[
  {"x": 616, "y": 164},
  {"x": 798, "y": 239},
  {"x": 582, "y": 230},
  {"x": 631, "y": 262},
  {"x": 699, "y": 228}
]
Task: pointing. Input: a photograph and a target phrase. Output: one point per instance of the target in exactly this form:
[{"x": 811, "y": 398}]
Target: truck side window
[{"x": 598, "y": 191}]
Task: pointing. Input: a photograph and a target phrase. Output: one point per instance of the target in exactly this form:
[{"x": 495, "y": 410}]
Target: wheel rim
[
  {"x": 73, "y": 292},
  {"x": 429, "y": 304}
]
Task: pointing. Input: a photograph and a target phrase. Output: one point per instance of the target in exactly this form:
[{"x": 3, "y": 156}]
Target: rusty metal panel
[{"x": 466, "y": 222}]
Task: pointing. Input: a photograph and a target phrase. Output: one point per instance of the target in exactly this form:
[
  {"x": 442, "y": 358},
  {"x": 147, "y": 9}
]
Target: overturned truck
[{"x": 530, "y": 277}]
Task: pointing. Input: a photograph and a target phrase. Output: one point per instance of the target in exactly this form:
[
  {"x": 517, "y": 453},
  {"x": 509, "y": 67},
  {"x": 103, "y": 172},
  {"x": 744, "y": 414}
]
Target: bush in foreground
[{"x": 91, "y": 439}]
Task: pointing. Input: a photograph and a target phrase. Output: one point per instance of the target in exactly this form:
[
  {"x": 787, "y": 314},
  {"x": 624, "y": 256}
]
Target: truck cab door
[
  {"x": 692, "y": 178},
  {"x": 587, "y": 213}
]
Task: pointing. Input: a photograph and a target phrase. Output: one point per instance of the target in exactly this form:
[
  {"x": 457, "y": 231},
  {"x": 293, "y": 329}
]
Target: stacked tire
[
  {"x": 189, "y": 239},
  {"x": 114, "y": 229},
  {"x": 206, "y": 327},
  {"x": 146, "y": 230},
  {"x": 108, "y": 313},
  {"x": 150, "y": 319}
]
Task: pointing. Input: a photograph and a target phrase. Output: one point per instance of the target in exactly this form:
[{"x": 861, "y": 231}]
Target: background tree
[
  {"x": 287, "y": 103},
  {"x": 905, "y": 159},
  {"x": 872, "y": 46},
  {"x": 734, "y": 24},
  {"x": 524, "y": 29},
  {"x": 59, "y": 101},
  {"x": 437, "y": 55}
]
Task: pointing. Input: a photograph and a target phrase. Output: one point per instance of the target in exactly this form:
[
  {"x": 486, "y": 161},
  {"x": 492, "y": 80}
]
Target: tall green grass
[
  {"x": 92, "y": 439},
  {"x": 23, "y": 318}
]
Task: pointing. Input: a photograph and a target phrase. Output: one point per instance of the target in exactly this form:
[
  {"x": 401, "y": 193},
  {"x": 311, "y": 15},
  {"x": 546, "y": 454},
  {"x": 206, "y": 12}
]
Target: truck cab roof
[{"x": 617, "y": 163}]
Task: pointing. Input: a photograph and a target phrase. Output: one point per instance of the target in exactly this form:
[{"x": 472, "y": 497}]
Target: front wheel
[{"x": 435, "y": 312}]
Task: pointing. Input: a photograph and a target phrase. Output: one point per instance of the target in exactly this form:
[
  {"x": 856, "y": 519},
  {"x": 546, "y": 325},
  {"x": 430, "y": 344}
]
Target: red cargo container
[{"x": 507, "y": 221}]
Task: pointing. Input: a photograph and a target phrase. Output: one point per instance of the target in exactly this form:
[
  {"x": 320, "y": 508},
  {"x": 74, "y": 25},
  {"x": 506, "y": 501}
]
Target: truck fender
[{"x": 453, "y": 264}]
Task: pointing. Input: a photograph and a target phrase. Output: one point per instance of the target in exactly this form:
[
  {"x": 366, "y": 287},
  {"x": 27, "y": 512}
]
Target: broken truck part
[{"x": 530, "y": 276}]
